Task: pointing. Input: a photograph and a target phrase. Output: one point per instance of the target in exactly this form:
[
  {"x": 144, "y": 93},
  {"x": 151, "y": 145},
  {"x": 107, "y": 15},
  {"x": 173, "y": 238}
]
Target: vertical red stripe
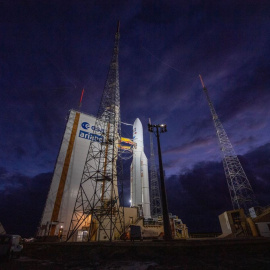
[{"x": 81, "y": 96}]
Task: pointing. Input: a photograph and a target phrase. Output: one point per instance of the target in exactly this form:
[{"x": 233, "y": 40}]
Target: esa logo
[
  {"x": 90, "y": 136},
  {"x": 85, "y": 125}
]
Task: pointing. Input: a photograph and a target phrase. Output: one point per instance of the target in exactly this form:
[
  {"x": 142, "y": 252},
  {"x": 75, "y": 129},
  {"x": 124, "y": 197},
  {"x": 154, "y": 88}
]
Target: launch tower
[
  {"x": 241, "y": 192},
  {"x": 100, "y": 212},
  {"x": 156, "y": 209}
]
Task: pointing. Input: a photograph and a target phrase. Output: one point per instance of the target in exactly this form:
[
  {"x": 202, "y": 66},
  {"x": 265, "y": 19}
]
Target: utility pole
[{"x": 166, "y": 220}]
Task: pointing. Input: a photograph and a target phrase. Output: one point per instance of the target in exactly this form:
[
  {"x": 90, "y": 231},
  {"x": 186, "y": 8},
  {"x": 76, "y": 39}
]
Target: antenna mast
[
  {"x": 241, "y": 192},
  {"x": 80, "y": 103},
  {"x": 156, "y": 207},
  {"x": 99, "y": 205}
]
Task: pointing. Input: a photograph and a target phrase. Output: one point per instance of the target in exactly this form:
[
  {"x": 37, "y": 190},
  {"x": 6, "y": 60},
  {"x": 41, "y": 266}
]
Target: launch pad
[{"x": 177, "y": 254}]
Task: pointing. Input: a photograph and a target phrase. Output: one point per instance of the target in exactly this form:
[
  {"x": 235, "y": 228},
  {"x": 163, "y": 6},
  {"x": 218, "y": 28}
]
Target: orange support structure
[
  {"x": 63, "y": 178},
  {"x": 106, "y": 157}
]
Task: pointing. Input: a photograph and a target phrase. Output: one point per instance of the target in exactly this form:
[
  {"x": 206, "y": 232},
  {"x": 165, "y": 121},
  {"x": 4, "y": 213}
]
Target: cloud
[
  {"x": 244, "y": 140},
  {"x": 187, "y": 147},
  {"x": 200, "y": 194},
  {"x": 20, "y": 152},
  {"x": 22, "y": 200}
]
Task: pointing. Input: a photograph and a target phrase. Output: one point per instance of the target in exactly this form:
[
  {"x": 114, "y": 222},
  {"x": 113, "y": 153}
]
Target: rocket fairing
[{"x": 139, "y": 181}]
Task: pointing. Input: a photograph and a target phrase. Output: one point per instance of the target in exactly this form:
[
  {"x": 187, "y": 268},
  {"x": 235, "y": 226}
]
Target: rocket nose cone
[
  {"x": 137, "y": 122},
  {"x": 138, "y": 125},
  {"x": 138, "y": 132}
]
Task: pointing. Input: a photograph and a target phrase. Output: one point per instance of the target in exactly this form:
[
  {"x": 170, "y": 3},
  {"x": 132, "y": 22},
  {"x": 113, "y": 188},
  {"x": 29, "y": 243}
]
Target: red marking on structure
[{"x": 81, "y": 96}]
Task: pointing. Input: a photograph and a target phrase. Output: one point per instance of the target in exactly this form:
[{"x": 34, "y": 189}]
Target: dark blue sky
[{"x": 50, "y": 50}]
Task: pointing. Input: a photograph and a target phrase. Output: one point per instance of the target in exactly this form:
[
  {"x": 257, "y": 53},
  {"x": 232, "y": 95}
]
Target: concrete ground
[{"x": 253, "y": 253}]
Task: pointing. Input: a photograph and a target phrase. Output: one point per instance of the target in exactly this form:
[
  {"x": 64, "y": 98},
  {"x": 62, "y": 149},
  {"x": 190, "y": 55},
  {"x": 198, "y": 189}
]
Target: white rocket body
[{"x": 139, "y": 180}]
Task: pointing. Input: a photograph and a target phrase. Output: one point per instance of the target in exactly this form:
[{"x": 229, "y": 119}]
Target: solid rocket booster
[{"x": 139, "y": 186}]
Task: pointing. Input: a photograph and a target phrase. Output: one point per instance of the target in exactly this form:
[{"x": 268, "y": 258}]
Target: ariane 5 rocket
[{"x": 139, "y": 181}]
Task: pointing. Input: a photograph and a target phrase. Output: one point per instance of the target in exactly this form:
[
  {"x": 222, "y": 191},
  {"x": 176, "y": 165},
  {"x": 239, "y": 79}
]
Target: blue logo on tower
[
  {"x": 85, "y": 125},
  {"x": 90, "y": 136}
]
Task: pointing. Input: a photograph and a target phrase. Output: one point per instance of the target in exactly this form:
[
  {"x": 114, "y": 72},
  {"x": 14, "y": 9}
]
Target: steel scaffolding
[
  {"x": 156, "y": 208},
  {"x": 99, "y": 206},
  {"x": 241, "y": 192}
]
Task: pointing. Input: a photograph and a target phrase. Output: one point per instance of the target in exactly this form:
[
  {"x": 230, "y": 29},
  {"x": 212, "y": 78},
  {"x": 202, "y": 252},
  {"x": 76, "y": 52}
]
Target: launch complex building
[
  {"x": 85, "y": 200},
  {"x": 59, "y": 208}
]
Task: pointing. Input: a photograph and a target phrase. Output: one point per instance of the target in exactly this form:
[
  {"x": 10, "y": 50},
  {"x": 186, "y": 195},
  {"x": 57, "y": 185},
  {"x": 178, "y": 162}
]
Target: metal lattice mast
[
  {"x": 241, "y": 192},
  {"x": 99, "y": 204},
  {"x": 156, "y": 208}
]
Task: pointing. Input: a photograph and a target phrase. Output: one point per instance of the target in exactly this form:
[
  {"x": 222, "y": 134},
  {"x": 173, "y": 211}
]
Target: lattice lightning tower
[
  {"x": 99, "y": 206},
  {"x": 241, "y": 192},
  {"x": 156, "y": 208}
]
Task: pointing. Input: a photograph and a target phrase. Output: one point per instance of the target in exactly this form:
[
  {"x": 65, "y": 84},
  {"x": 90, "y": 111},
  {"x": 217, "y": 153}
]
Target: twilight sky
[{"x": 50, "y": 50}]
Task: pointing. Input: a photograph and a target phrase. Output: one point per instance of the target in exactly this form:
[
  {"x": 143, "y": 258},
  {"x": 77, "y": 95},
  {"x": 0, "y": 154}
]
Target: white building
[{"x": 68, "y": 173}]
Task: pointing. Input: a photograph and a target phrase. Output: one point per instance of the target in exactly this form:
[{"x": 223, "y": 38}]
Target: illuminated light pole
[{"x": 166, "y": 220}]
